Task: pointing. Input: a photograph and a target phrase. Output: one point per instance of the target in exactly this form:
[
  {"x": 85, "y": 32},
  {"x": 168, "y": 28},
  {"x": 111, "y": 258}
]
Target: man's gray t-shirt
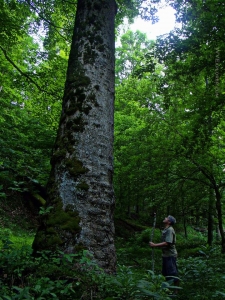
[{"x": 169, "y": 236}]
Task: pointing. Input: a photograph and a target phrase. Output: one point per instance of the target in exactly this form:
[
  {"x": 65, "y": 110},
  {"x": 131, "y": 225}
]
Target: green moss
[
  {"x": 80, "y": 98},
  {"x": 86, "y": 109},
  {"x": 57, "y": 226},
  {"x": 89, "y": 55},
  {"x": 79, "y": 248},
  {"x": 92, "y": 99},
  {"x": 77, "y": 80},
  {"x": 79, "y": 90},
  {"x": 65, "y": 145},
  {"x": 77, "y": 128},
  {"x": 98, "y": 26},
  {"x": 44, "y": 240},
  {"x": 83, "y": 81},
  {"x": 78, "y": 104},
  {"x": 64, "y": 220},
  {"x": 83, "y": 186},
  {"x": 57, "y": 219},
  {"x": 75, "y": 167},
  {"x": 59, "y": 154},
  {"x": 54, "y": 240},
  {"x": 69, "y": 208},
  {"x": 101, "y": 48},
  {"x": 91, "y": 39},
  {"x": 40, "y": 200},
  {"x": 77, "y": 120},
  {"x": 99, "y": 39},
  {"x": 71, "y": 225}
]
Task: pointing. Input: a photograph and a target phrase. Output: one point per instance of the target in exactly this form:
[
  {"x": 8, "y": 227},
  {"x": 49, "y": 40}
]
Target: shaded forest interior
[{"x": 168, "y": 149}]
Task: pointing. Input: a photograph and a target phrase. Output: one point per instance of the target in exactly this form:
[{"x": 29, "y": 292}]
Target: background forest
[{"x": 169, "y": 149}]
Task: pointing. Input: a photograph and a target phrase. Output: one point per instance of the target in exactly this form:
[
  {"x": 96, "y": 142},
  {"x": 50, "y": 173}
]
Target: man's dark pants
[{"x": 169, "y": 268}]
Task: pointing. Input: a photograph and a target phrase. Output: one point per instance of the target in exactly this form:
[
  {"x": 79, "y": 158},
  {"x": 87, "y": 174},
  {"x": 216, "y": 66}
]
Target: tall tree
[
  {"x": 80, "y": 188},
  {"x": 129, "y": 56}
]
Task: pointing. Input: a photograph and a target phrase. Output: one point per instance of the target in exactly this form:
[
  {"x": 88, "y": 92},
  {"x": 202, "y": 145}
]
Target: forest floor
[{"x": 201, "y": 268}]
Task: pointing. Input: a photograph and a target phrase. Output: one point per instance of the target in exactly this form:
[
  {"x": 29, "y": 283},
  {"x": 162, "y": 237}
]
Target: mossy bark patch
[
  {"x": 83, "y": 186},
  {"x": 75, "y": 167},
  {"x": 59, "y": 229}
]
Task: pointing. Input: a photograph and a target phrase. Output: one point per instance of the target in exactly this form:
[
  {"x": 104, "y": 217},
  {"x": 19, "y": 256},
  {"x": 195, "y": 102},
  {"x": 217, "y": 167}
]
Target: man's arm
[{"x": 163, "y": 244}]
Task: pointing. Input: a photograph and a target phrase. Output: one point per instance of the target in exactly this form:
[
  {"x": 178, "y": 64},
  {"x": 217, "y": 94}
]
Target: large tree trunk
[{"x": 80, "y": 185}]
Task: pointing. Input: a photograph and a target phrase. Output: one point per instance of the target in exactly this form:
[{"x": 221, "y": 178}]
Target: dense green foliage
[
  {"x": 168, "y": 150},
  {"x": 75, "y": 276},
  {"x": 169, "y": 137}
]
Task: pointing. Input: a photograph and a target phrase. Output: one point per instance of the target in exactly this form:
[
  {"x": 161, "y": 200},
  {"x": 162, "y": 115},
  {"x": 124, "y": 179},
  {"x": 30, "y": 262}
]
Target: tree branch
[
  {"x": 46, "y": 20},
  {"x": 25, "y": 74},
  {"x": 204, "y": 172},
  {"x": 196, "y": 179},
  {"x": 18, "y": 69}
]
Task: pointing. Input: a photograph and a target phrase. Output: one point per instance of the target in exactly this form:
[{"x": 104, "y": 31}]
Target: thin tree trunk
[
  {"x": 80, "y": 185},
  {"x": 185, "y": 226},
  {"x": 183, "y": 213},
  {"x": 217, "y": 232},
  {"x": 220, "y": 219},
  {"x": 197, "y": 218},
  {"x": 210, "y": 217}
]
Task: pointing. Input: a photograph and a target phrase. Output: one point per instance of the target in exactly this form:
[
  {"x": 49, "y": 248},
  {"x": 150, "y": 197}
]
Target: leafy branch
[
  {"x": 18, "y": 69},
  {"x": 25, "y": 74}
]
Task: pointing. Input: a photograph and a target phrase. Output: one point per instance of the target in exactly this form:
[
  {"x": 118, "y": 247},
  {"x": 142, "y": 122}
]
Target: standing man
[{"x": 169, "y": 252}]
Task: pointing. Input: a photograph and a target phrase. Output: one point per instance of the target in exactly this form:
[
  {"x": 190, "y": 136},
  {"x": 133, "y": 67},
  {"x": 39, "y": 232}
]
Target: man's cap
[{"x": 171, "y": 219}]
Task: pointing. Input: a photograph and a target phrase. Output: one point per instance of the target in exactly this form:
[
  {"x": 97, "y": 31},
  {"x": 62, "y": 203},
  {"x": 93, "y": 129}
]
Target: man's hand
[{"x": 152, "y": 244}]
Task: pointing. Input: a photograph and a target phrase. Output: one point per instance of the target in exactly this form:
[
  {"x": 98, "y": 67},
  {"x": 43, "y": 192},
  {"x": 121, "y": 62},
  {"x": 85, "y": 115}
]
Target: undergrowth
[
  {"x": 56, "y": 275},
  {"x": 71, "y": 276}
]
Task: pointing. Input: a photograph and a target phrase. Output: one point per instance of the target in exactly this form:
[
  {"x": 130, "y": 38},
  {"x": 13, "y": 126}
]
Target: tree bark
[
  {"x": 220, "y": 218},
  {"x": 210, "y": 217},
  {"x": 80, "y": 189}
]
